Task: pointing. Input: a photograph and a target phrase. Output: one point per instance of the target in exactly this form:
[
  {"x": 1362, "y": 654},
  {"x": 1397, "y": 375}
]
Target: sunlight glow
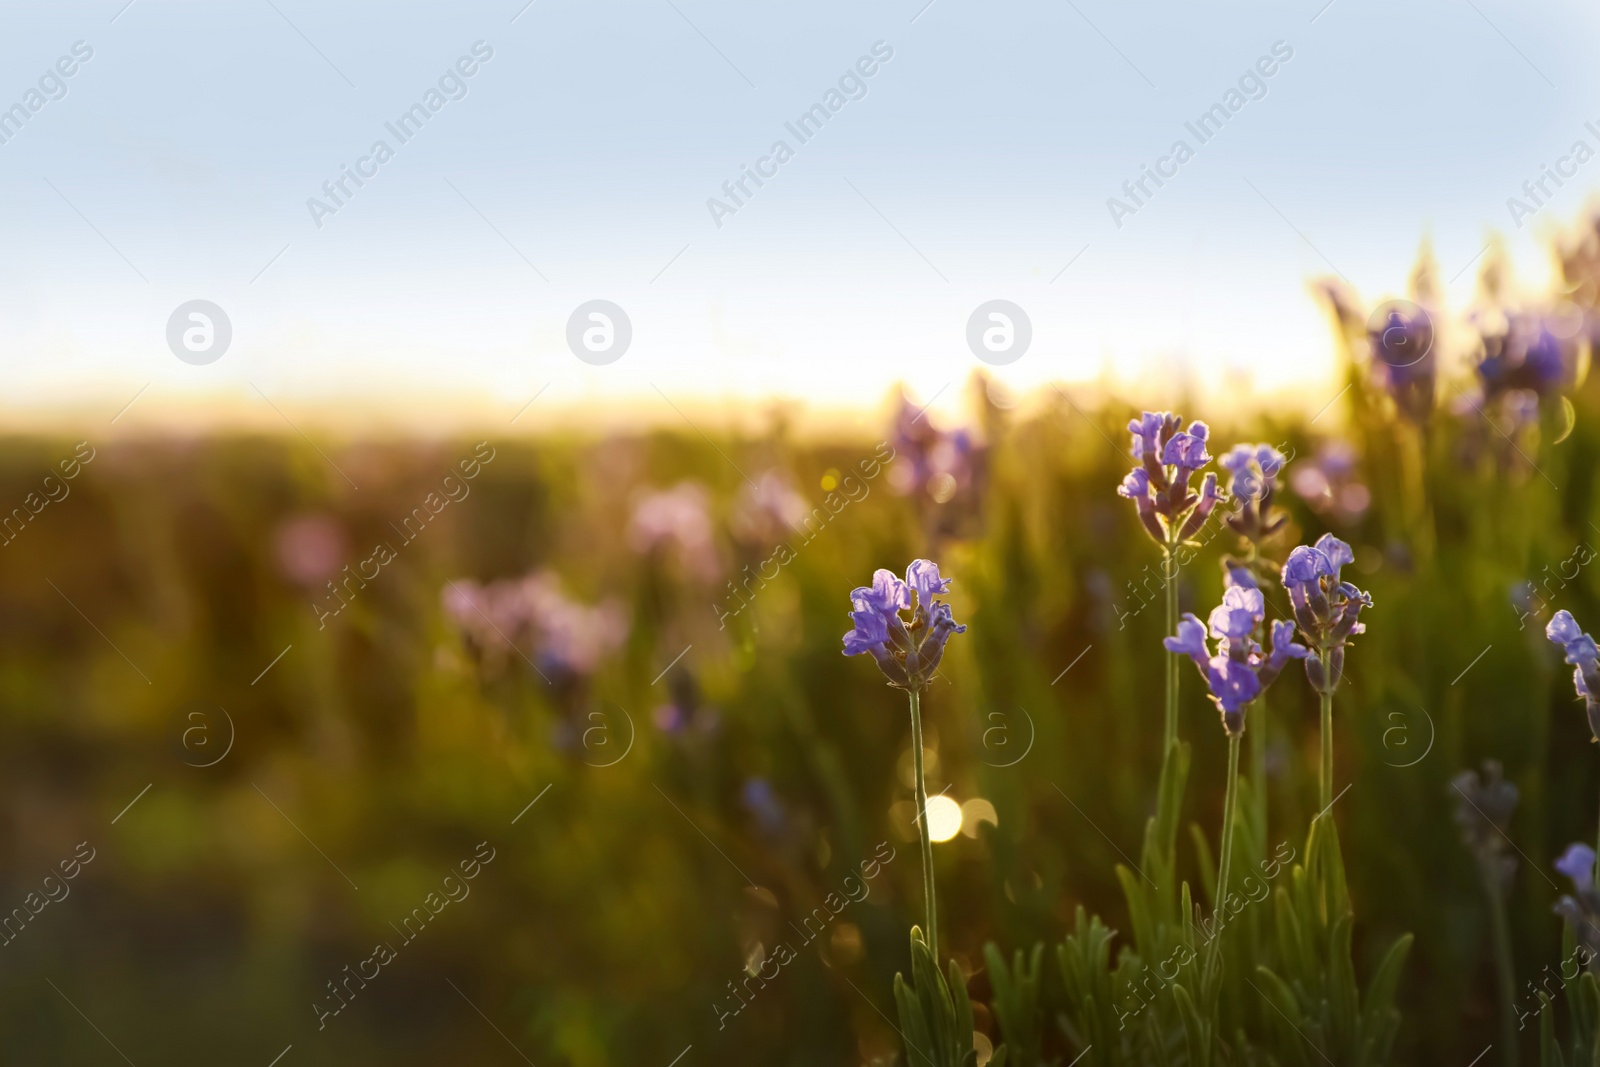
[{"x": 944, "y": 818}]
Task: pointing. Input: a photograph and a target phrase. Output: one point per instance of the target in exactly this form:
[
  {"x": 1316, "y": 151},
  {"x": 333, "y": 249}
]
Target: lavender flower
[
  {"x": 1325, "y": 609},
  {"x": 761, "y": 801},
  {"x": 503, "y": 617},
  {"x": 1483, "y": 812},
  {"x": 1159, "y": 486},
  {"x": 1239, "y": 671},
  {"x": 938, "y": 463},
  {"x": 1582, "y": 908},
  {"x": 1585, "y": 659},
  {"x": 1331, "y": 483},
  {"x": 1254, "y": 471},
  {"x": 1523, "y": 353},
  {"x": 1577, "y": 863},
  {"x": 907, "y": 653},
  {"x": 1402, "y": 357},
  {"x": 310, "y": 549},
  {"x": 768, "y": 510},
  {"x": 679, "y": 517}
]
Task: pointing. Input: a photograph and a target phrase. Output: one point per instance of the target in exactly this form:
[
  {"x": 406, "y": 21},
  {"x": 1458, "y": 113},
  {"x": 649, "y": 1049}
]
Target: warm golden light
[{"x": 944, "y": 818}]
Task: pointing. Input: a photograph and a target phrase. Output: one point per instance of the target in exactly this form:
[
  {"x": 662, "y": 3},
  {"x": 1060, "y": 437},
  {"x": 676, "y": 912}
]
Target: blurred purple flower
[
  {"x": 768, "y": 510},
  {"x": 1582, "y": 909},
  {"x": 680, "y": 519},
  {"x": 936, "y": 464},
  {"x": 503, "y": 617},
  {"x": 1253, "y": 471},
  {"x": 1403, "y": 360},
  {"x": 1484, "y": 807},
  {"x": 1329, "y": 483},
  {"x": 1523, "y": 353},
  {"x": 310, "y": 549},
  {"x": 760, "y": 800},
  {"x": 1577, "y": 863}
]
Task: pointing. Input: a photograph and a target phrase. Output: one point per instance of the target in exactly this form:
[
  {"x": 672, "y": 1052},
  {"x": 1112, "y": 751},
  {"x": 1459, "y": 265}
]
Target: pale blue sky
[{"x": 977, "y": 166}]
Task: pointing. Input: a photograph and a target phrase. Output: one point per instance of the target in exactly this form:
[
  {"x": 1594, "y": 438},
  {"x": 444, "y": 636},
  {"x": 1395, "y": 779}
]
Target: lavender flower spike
[
  {"x": 1326, "y": 610},
  {"x": 908, "y": 653},
  {"x": 1253, "y": 472},
  {"x": 1581, "y": 910},
  {"x": 1239, "y": 671},
  {"x": 1584, "y": 656},
  {"x": 1165, "y": 457}
]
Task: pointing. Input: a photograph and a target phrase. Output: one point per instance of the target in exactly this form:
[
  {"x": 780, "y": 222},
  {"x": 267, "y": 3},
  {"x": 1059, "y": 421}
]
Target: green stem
[
  {"x": 930, "y": 908},
  {"x": 1327, "y": 749},
  {"x": 1258, "y": 770},
  {"x": 1169, "y": 739},
  {"x": 1503, "y": 965},
  {"x": 1230, "y": 801},
  {"x": 1170, "y": 577}
]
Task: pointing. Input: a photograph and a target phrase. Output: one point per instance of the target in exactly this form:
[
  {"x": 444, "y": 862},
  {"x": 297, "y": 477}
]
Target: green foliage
[
  {"x": 1016, "y": 1003},
  {"x": 1313, "y": 989},
  {"x": 1580, "y": 997},
  {"x": 1251, "y": 984},
  {"x": 936, "y": 1022}
]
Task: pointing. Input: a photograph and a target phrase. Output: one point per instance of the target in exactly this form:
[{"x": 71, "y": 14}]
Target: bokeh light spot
[{"x": 944, "y": 818}]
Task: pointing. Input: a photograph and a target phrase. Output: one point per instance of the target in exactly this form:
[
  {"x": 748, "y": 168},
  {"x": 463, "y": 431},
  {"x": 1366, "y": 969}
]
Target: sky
[{"x": 584, "y": 156}]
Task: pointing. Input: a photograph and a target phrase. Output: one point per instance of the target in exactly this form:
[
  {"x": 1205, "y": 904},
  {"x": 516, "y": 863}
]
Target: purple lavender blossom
[
  {"x": 1241, "y": 610},
  {"x": 1577, "y": 863},
  {"x": 1331, "y": 483},
  {"x": 1166, "y": 457},
  {"x": 937, "y": 464},
  {"x": 1522, "y": 353},
  {"x": 1284, "y": 647},
  {"x": 1147, "y": 431},
  {"x": 1239, "y": 671},
  {"x": 502, "y": 618},
  {"x": 1188, "y": 450},
  {"x": 1584, "y": 656},
  {"x": 923, "y": 578},
  {"x": 1253, "y": 471},
  {"x": 679, "y": 518},
  {"x": 1581, "y": 910},
  {"x": 1484, "y": 807},
  {"x": 1403, "y": 360},
  {"x": 907, "y": 653},
  {"x": 1235, "y": 573},
  {"x": 1136, "y": 487},
  {"x": 768, "y": 510},
  {"x": 1326, "y": 609},
  {"x": 761, "y": 800},
  {"x": 1190, "y": 640},
  {"x": 310, "y": 549}
]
